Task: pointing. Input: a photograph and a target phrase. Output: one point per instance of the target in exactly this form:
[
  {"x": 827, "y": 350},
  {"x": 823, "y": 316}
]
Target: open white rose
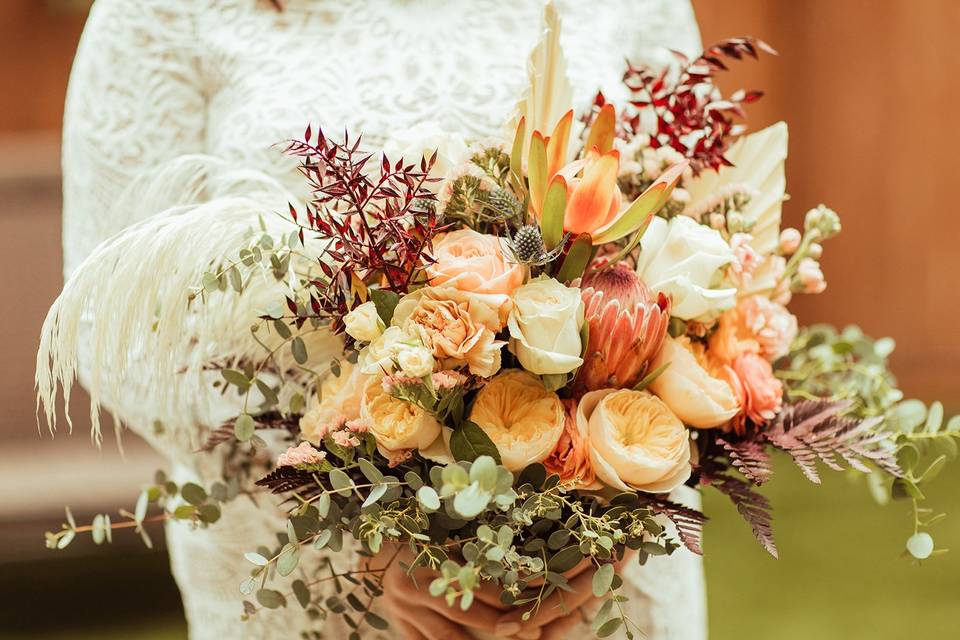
[
  {"x": 685, "y": 259},
  {"x": 416, "y": 361},
  {"x": 396, "y": 424},
  {"x": 380, "y": 356},
  {"x": 545, "y": 326},
  {"x": 421, "y": 141},
  {"x": 364, "y": 323}
]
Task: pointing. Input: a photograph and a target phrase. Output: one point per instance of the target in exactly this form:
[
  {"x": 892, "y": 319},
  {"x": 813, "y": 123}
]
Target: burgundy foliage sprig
[
  {"x": 692, "y": 115},
  {"x": 377, "y": 223}
]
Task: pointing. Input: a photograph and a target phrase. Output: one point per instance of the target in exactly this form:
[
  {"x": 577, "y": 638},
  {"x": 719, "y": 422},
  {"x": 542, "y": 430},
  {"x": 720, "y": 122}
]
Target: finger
[
  {"x": 479, "y": 616},
  {"x": 429, "y": 625},
  {"x": 557, "y": 604},
  {"x": 406, "y": 629},
  {"x": 529, "y": 632},
  {"x": 561, "y": 627},
  {"x": 489, "y": 594}
]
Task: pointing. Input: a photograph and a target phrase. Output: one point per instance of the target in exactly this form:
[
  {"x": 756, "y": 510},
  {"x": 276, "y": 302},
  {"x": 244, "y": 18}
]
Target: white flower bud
[
  {"x": 810, "y": 275},
  {"x": 364, "y": 323},
  {"x": 789, "y": 241},
  {"x": 416, "y": 361}
]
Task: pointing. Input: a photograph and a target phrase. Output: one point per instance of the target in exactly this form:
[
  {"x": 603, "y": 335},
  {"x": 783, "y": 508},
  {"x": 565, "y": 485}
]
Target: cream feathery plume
[
  {"x": 758, "y": 164},
  {"x": 549, "y": 94},
  {"x": 123, "y": 324}
]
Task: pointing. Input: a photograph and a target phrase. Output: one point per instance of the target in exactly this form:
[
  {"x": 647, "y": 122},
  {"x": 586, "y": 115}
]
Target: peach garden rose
[
  {"x": 570, "y": 459},
  {"x": 635, "y": 441},
  {"x": 338, "y": 399},
  {"x": 474, "y": 262},
  {"x": 522, "y": 417},
  {"x": 396, "y": 425},
  {"x": 459, "y": 328}
]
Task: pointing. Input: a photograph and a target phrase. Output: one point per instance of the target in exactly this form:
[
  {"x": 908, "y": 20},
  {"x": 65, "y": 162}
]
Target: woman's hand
[{"x": 420, "y": 616}]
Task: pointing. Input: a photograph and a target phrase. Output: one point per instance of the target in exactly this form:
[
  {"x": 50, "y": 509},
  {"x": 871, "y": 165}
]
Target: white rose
[
  {"x": 364, "y": 323},
  {"x": 545, "y": 326},
  {"x": 421, "y": 141},
  {"x": 380, "y": 355},
  {"x": 416, "y": 361},
  {"x": 685, "y": 259}
]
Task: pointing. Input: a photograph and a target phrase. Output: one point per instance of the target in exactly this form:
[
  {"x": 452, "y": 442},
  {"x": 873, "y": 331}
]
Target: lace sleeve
[
  {"x": 134, "y": 102},
  {"x": 145, "y": 215}
]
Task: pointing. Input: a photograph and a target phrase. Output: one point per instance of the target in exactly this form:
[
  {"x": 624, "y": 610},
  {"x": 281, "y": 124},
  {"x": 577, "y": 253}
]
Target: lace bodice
[
  {"x": 174, "y": 111},
  {"x": 232, "y": 78}
]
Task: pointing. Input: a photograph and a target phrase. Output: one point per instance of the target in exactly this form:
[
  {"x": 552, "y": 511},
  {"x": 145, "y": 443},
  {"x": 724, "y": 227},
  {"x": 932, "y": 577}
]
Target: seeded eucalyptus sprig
[
  {"x": 471, "y": 521},
  {"x": 187, "y": 503}
]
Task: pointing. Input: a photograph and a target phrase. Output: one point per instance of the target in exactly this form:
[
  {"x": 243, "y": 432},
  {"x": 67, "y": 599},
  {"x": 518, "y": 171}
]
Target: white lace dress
[{"x": 173, "y": 111}]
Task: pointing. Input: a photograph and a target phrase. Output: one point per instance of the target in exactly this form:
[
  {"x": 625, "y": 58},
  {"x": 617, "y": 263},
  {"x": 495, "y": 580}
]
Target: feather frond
[
  {"x": 688, "y": 521},
  {"x": 814, "y": 430},
  {"x": 752, "y": 505},
  {"x": 123, "y": 323},
  {"x": 750, "y": 458}
]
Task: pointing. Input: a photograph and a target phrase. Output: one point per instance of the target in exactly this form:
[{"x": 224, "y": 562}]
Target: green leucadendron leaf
[{"x": 578, "y": 257}]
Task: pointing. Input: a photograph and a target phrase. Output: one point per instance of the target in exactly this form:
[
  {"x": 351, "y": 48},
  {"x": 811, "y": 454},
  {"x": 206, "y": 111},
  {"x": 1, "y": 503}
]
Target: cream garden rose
[
  {"x": 421, "y": 141},
  {"x": 697, "y": 398},
  {"x": 522, "y": 417},
  {"x": 396, "y": 425},
  {"x": 338, "y": 398},
  {"x": 685, "y": 259},
  {"x": 545, "y": 324},
  {"x": 459, "y": 328},
  {"x": 364, "y": 323},
  {"x": 635, "y": 441}
]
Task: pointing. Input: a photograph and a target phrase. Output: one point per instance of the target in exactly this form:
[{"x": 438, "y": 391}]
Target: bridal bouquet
[{"x": 538, "y": 339}]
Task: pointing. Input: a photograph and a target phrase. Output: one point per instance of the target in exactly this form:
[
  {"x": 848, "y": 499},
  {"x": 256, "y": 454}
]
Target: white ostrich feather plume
[
  {"x": 758, "y": 161},
  {"x": 123, "y": 324}
]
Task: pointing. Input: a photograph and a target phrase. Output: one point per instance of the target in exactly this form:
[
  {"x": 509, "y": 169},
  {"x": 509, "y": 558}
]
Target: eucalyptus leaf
[
  {"x": 271, "y": 599},
  {"x": 288, "y": 559},
  {"x": 428, "y": 498},
  {"x": 244, "y": 427},
  {"x": 602, "y": 580},
  {"x": 299, "y": 350}
]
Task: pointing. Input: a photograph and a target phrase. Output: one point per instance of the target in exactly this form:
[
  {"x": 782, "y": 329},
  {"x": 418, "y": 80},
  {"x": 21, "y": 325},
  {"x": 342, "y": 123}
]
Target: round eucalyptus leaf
[{"x": 920, "y": 545}]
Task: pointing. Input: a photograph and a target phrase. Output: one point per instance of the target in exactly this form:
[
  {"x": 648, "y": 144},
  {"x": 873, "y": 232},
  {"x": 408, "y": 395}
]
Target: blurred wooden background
[{"x": 869, "y": 89}]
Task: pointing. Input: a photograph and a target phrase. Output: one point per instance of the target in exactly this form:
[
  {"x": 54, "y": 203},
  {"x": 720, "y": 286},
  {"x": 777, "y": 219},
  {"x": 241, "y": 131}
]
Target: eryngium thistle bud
[
  {"x": 504, "y": 203},
  {"x": 527, "y": 243}
]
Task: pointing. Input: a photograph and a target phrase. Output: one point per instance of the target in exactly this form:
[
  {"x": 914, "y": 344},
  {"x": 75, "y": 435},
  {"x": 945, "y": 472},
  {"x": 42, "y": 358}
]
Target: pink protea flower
[{"x": 626, "y": 326}]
